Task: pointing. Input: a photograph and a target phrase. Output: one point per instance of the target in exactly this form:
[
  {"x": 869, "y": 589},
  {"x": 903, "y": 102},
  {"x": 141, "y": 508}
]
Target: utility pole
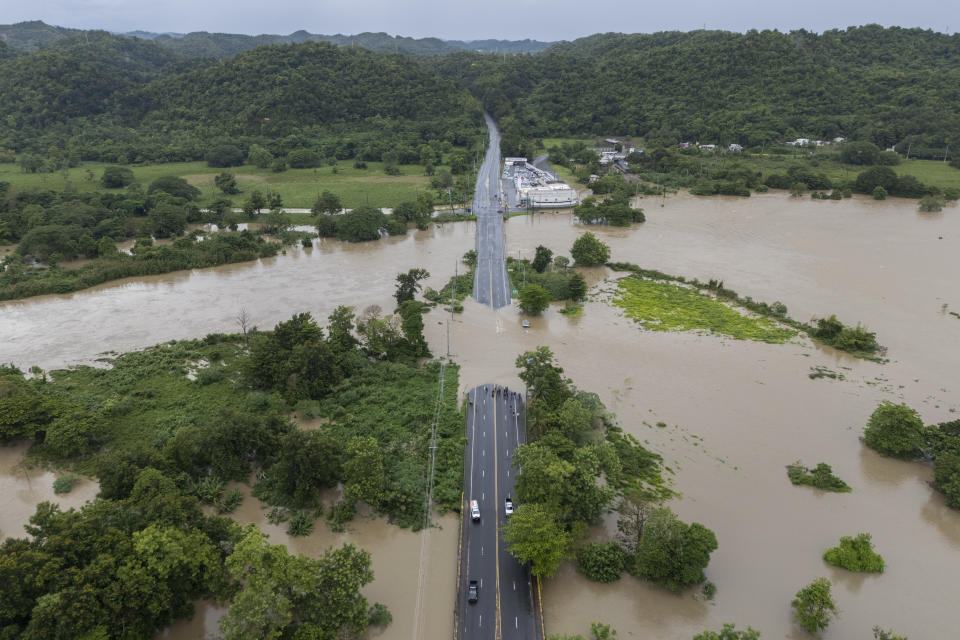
[{"x": 453, "y": 289}]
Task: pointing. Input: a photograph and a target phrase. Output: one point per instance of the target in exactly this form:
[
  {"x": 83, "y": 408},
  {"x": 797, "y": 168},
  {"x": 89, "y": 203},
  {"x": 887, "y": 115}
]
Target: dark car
[{"x": 473, "y": 592}]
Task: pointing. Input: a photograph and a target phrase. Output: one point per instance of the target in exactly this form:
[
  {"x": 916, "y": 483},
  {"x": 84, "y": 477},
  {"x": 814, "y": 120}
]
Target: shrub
[
  {"x": 64, "y": 484},
  {"x": 894, "y": 430},
  {"x": 224, "y": 155},
  {"x": 380, "y": 616},
  {"x": 303, "y": 159},
  {"x": 875, "y": 177},
  {"x": 821, "y": 477},
  {"x": 231, "y": 501},
  {"x": 855, "y": 554},
  {"x": 729, "y": 632},
  {"x": 930, "y": 204},
  {"x": 879, "y": 193},
  {"x": 301, "y": 524},
  {"x": 116, "y": 177},
  {"x": 601, "y": 562},
  {"x": 888, "y": 158}
]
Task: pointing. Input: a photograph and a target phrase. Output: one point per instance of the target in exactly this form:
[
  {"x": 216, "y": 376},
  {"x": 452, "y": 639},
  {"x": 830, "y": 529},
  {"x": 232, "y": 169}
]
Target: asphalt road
[
  {"x": 491, "y": 286},
  {"x": 495, "y": 427}
]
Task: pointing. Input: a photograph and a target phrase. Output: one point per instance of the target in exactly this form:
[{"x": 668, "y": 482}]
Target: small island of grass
[{"x": 855, "y": 554}]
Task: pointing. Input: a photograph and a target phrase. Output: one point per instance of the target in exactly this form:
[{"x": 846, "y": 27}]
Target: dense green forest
[
  {"x": 890, "y": 86},
  {"x": 97, "y": 96},
  {"x": 119, "y": 99}
]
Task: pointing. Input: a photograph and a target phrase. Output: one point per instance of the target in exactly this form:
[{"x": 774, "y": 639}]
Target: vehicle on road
[
  {"x": 508, "y": 506},
  {"x": 474, "y": 510},
  {"x": 473, "y": 592},
  {"x": 525, "y": 324}
]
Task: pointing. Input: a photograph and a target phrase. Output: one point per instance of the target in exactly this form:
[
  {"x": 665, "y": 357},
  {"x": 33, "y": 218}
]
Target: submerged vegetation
[
  {"x": 820, "y": 477},
  {"x": 662, "y": 306},
  {"x": 858, "y": 340},
  {"x": 579, "y": 464}
]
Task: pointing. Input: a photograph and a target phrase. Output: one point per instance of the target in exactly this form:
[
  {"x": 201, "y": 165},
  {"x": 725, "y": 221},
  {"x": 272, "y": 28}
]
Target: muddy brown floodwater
[{"x": 736, "y": 413}]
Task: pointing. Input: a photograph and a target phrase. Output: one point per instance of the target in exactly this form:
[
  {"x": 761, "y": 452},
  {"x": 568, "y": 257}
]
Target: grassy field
[
  {"x": 298, "y": 187},
  {"x": 662, "y": 306},
  {"x": 553, "y": 142}
]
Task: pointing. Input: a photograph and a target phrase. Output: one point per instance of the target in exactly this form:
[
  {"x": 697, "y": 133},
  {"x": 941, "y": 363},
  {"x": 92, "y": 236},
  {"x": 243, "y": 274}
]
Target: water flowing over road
[{"x": 491, "y": 286}]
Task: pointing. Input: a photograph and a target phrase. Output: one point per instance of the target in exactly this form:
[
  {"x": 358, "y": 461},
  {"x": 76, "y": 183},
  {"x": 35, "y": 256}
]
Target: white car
[
  {"x": 474, "y": 510},
  {"x": 508, "y": 506}
]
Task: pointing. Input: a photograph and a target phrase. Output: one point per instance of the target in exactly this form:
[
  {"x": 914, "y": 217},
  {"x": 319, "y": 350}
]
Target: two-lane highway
[
  {"x": 491, "y": 286},
  {"x": 504, "y": 608}
]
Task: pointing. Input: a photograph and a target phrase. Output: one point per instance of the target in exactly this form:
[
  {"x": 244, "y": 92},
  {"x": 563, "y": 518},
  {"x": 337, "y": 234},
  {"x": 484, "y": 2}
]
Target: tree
[
  {"x": 360, "y": 225},
  {"x": 601, "y": 562},
  {"x": 875, "y": 177},
  {"x": 671, "y": 553},
  {"x": 224, "y": 155},
  {"x": 284, "y": 596},
  {"x": 542, "y": 259},
  {"x": 814, "y": 606},
  {"x": 411, "y": 315},
  {"x": 860, "y": 152},
  {"x": 577, "y": 286},
  {"x": 259, "y": 157},
  {"x": 166, "y": 220},
  {"x": 227, "y": 183},
  {"x": 255, "y": 202},
  {"x": 115, "y": 177},
  {"x": 408, "y": 284},
  {"x": 930, "y": 204},
  {"x": 459, "y": 163},
  {"x": 729, "y": 632},
  {"x": 533, "y": 535},
  {"x": 327, "y": 203},
  {"x": 894, "y": 430},
  {"x": 363, "y": 471},
  {"x": 879, "y": 193},
  {"x": 855, "y": 554},
  {"x": 534, "y": 299},
  {"x": 175, "y": 186},
  {"x": 303, "y": 159},
  {"x": 589, "y": 251},
  {"x": 634, "y": 510}
]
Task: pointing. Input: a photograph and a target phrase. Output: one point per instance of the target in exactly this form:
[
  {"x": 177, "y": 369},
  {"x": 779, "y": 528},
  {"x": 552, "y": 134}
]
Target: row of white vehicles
[{"x": 475, "y": 508}]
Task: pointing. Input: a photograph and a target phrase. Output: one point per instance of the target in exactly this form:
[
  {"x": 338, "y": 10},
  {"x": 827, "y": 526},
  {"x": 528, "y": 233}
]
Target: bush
[
  {"x": 855, "y": 554},
  {"x": 303, "y": 159},
  {"x": 879, "y": 193},
  {"x": 729, "y": 632},
  {"x": 601, "y": 562},
  {"x": 175, "y": 186},
  {"x": 894, "y": 430},
  {"x": 930, "y": 204},
  {"x": 224, "y": 155},
  {"x": 888, "y": 158},
  {"x": 64, "y": 484},
  {"x": 301, "y": 524},
  {"x": 821, "y": 477},
  {"x": 380, "y": 616},
  {"x": 875, "y": 177},
  {"x": 116, "y": 177}
]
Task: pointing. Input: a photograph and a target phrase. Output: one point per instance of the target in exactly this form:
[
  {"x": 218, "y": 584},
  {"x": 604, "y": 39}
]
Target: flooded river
[{"x": 736, "y": 412}]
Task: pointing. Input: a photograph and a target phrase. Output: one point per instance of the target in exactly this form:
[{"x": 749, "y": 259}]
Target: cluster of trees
[
  {"x": 897, "y": 430},
  {"x": 614, "y": 210},
  {"x": 544, "y": 279},
  {"x": 576, "y": 466},
  {"x": 831, "y": 331}
]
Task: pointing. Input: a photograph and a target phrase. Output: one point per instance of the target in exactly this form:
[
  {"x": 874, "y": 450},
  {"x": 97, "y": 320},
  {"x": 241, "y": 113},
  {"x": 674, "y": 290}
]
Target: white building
[{"x": 548, "y": 196}]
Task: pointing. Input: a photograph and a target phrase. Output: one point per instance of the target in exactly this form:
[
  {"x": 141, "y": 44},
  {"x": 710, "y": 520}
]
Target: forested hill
[
  {"x": 30, "y": 36},
  {"x": 874, "y": 83},
  {"x": 103, "y": 97},
  {"x": 280, "y": 88}
]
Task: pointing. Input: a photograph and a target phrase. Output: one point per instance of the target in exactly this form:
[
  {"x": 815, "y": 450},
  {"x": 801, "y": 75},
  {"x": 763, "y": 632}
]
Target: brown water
[
  {"x": 752, "y": 404},
  {"x": 22, "y": 488},
  {"x": 395, "y": 558}
]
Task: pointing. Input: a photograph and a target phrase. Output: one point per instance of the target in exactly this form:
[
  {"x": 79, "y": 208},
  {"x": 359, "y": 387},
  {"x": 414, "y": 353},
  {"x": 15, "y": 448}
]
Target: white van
[{"x": 474, "y": 510}]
